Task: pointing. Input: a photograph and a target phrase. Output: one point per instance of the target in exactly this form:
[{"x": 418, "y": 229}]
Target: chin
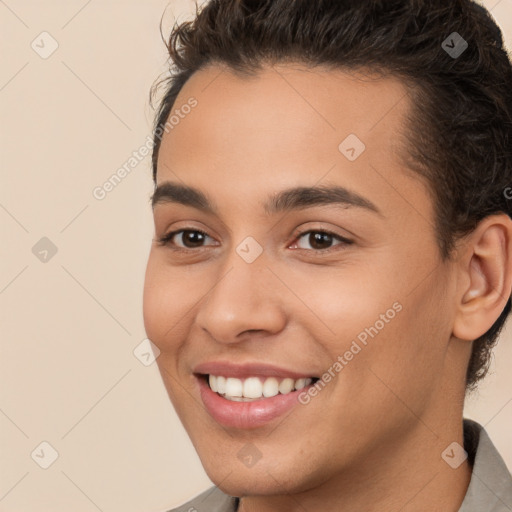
[
  {"x": 250, "y": 483},
  {"x": 267, "y": 477}
]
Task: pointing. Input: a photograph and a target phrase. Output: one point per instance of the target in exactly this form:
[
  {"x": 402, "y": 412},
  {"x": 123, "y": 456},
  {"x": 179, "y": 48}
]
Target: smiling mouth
[{"x": 254, "y": 388}]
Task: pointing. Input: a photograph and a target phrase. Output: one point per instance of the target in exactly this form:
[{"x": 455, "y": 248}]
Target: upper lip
[{"x": 248, "y": 369}]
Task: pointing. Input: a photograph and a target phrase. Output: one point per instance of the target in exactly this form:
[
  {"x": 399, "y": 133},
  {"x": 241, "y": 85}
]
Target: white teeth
[
  {"x": 253, "y": 388},
  {"x": 286, "y": 386},
  {"x": 221, "y": 384},
  {"x": 240, "y": 398},
  {"x": 300, "y": 383},
  {"x": 270, "y": 387},
  {"x": 213, "y": 383},
  {"x": 234, "y": 387}
]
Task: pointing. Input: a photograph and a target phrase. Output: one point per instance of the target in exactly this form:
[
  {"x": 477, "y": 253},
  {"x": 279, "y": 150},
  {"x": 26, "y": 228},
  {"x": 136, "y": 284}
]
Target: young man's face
[{"x": 379, "y": 305}]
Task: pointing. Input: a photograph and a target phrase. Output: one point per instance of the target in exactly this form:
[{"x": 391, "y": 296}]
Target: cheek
[
  {"x": 160, "y": 304},
  {"x": 385, "y": 334},
  {"x": 340, "y": 304},
  {"x": 400, "y": 367},
  {"x": 151, "y": 303},
  {"x": 170, "y": 298}
]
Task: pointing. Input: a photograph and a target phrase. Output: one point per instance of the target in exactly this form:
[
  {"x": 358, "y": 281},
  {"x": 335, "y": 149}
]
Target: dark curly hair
[{"x": 460, "y": 128}]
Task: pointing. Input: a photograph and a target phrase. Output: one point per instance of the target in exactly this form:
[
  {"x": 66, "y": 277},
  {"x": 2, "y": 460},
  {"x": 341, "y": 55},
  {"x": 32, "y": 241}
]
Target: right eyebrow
[{"x": 169, "y": 192}]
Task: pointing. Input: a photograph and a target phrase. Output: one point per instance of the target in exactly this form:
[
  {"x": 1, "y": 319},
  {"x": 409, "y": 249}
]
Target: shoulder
[
  {"x": 490, "y": 488},
  {"x": 211, "y": 500}
]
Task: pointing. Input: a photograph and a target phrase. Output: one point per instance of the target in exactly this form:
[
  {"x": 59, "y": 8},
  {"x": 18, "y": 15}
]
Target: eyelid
[
  {"x": 165, "y": 240},
  {"x": 298, "y": 234}
]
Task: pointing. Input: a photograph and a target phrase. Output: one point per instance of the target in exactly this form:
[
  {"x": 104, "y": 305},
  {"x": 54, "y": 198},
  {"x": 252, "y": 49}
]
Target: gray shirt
[{"x": 490, "y": 488}]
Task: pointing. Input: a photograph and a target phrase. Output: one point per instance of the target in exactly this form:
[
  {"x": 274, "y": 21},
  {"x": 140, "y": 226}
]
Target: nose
[{"x": 245, "y": 298}]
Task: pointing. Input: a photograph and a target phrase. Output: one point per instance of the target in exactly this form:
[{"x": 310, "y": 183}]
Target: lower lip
[{"x": 246, "y": 415}]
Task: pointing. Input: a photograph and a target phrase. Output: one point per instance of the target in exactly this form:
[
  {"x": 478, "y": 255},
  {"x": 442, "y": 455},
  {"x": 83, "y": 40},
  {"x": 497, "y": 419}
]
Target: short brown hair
[{"x": 460, "y": 137}]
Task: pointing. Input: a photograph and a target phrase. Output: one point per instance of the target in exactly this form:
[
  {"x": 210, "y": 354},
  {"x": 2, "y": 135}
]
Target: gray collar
[{"x": 490, "y": 488}]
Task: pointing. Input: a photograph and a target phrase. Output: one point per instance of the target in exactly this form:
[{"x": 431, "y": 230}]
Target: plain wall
[{"x": 69, "y": 325}]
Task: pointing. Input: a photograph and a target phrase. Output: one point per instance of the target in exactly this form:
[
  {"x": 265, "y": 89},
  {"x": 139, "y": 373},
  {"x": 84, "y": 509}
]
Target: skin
[{"x": 372, "y": 438}]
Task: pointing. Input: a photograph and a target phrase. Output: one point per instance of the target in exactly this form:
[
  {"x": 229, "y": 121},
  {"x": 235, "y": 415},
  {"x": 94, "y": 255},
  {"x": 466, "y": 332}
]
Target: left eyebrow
[
  {"x": 285, "y": 200},
  {"x": 305, "y": 197}
]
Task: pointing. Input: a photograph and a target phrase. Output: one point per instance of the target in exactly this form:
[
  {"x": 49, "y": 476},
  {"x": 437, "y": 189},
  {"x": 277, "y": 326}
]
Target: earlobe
[{"x": 485, "y": 277}]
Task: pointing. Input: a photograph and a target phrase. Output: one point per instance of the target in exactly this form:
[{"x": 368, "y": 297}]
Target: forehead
[
  {"x": 291, "y": 101},
  {"x": 291, "y": 126}
]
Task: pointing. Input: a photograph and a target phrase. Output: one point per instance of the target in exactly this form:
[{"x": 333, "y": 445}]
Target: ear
[{"x": 485, "y": 277}]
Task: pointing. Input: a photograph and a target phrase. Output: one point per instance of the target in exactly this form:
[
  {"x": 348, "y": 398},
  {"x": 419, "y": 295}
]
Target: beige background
[{"x": 69, "y": 325}]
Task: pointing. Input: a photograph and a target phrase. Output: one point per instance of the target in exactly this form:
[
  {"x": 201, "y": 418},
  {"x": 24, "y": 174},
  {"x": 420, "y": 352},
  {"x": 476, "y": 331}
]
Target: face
[{"x": 264, "y": 286}]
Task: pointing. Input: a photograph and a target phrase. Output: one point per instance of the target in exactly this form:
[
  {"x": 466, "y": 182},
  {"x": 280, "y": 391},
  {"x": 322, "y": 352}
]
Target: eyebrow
[{"x": 285, "y": 200}]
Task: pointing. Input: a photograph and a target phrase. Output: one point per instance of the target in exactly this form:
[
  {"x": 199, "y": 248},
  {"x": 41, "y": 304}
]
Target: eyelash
[{"x": 165, "y": 240}]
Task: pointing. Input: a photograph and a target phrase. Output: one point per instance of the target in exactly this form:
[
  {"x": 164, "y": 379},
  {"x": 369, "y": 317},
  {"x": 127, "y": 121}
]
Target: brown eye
[
  {"x": 192, "y": 239},
  {"x": 320, "y": 240},
  {"x": 184, "y": 238}
]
